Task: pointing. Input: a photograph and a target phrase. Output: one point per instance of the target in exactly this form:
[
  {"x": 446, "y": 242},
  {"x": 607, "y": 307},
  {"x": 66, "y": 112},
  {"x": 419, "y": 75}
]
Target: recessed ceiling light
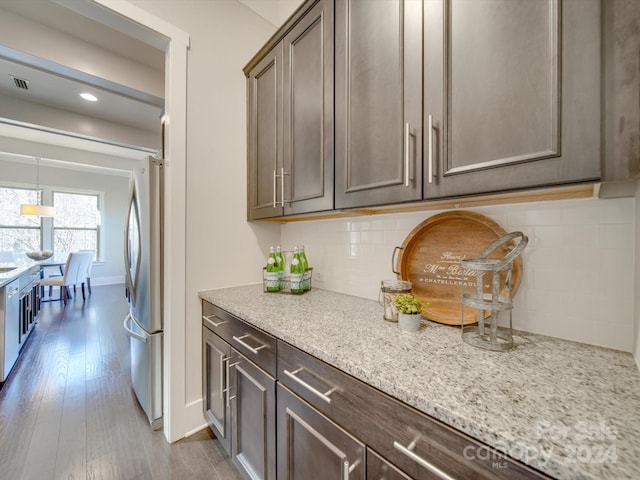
[{"x": 89, "y": 97}]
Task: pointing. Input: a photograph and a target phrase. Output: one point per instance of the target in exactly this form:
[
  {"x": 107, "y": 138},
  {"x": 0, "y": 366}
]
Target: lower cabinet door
[
  {"x": 252, "y": 396},
  {"x": 380, "y": 469},
  {"x": 312, "y": 447},
  {"x": 215, "y": 355}
]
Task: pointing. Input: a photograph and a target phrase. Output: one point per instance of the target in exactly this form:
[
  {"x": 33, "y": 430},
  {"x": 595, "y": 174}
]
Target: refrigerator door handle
[{"x": 130, "y": 332}]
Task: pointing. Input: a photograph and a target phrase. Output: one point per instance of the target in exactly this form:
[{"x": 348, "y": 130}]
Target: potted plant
[{"x": 409, "y": 307}]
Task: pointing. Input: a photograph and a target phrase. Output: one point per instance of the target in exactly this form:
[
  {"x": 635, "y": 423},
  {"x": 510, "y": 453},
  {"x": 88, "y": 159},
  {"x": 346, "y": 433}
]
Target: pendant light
[{"x": 37, "y": 209}]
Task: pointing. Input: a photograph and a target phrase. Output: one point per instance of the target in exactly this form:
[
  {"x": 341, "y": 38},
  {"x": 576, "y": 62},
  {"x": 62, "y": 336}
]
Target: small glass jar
[{"x": 387, "y": 297}]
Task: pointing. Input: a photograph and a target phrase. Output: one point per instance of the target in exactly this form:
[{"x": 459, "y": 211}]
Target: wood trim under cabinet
[{"x": 524, "y": 196}]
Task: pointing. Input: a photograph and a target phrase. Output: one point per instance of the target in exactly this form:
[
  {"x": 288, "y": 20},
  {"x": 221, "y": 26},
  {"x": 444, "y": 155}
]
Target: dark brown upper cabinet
[
  {"x": 290, "y": 116},
  {"x": 378, "y": 112},
  {"x": 512, "y": 95}
]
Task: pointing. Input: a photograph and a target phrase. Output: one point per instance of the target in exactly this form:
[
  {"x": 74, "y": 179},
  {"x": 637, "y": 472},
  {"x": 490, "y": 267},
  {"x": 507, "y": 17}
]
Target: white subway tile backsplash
[
  {"x": 616, "y": 235},
  {"x": 373, "y": 237},
  {"x": 535, "y": 217},
  {"x": 576, "y": 215},
  {"x": 578, "y": 278},
  {"x": 565, "y": 236},
  {"x": 617, "y": 212}
]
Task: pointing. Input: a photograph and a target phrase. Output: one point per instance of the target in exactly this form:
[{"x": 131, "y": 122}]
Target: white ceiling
[
  {"x": 61, "y": 90},
  {"x": 46, "y": 88},
  {"x": 63, "y": 19}
]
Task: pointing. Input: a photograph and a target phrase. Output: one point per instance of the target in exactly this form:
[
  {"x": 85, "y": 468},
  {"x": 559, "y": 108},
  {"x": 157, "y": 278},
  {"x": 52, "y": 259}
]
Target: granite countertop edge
[{"x": 272, "y": 312}]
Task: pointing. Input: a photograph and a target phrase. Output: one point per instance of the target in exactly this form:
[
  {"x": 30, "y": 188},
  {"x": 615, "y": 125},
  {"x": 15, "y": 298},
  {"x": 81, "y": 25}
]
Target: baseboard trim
[{"x": 193, "y": 416}]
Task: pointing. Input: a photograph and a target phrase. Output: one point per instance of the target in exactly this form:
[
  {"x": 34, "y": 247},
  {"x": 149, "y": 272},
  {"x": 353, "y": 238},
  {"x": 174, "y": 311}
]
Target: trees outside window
[
  {"x": 76, "y": 224},
  {"x": 19, "y": 234}
]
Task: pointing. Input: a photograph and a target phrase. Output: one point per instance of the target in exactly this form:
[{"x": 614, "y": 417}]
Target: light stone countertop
[
  {"x": 8, "y": 277},
  {"x": 567, "y": 409}
]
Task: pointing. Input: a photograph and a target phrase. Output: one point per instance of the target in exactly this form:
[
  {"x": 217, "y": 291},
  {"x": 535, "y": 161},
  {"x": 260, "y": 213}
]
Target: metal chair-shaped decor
[
  {"x": 75, "y": 262},
  {"x": 495, "y": 297}
]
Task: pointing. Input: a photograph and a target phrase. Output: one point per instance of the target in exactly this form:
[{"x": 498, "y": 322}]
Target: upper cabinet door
[
  {"x": 512, "y": 94},
  {"x": 308, "y": 112},
  {"x": 264, "y": 117},
  {"x": 378, "y": 82}
]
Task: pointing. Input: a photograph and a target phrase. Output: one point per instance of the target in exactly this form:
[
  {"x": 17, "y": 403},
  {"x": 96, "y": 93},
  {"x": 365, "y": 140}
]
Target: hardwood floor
[{"x": 68, "y": 411}]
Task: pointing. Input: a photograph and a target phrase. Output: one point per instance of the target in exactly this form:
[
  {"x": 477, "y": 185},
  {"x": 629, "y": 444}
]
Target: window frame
[
  {"x": 99, "y": 207},
  {"x": 18, "y": 186},
  {"x": 46, "y": 224}
]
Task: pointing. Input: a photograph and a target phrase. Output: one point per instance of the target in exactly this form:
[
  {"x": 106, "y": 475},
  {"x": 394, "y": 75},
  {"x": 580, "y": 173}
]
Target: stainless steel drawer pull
[
  {"x": 209, "y": 317},
  {"x": 324, "y": 396},
  {"x": 408, "y": 451},
  {"x": 247, "y": 346}
]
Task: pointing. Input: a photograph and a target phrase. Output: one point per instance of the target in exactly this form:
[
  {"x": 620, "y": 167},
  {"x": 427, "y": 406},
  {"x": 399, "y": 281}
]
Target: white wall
[
  {"x": 222, "y": 247},
  {"x": 116, "y": 191},
  {"x": 578, "y": 280},
  {"x": 274, "y": 11}
]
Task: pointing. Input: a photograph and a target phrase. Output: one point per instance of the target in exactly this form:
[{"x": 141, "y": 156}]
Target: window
[
  {"x": 18, "y": 234},
  {"x": 76, "y": 224}
]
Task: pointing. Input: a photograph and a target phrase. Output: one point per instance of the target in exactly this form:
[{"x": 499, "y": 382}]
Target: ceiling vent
[{"x": 20, "y": 82}]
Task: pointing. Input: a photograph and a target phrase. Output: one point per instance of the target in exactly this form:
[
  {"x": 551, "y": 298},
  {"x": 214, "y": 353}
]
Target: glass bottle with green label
[
  {"x": 306, "y": 275},
  {"x": 296, "y": 272},
  {"x": 280, "y": 263},
  {"x": 272, "y": 279}
]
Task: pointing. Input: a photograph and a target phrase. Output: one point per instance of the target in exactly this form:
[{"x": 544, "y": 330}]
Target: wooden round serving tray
[{"x": 431, "y": 254}]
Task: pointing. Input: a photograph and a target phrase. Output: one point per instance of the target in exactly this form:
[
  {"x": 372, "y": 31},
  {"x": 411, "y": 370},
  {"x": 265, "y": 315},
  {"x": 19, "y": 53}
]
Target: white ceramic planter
[{"x": 409, "y": 322}]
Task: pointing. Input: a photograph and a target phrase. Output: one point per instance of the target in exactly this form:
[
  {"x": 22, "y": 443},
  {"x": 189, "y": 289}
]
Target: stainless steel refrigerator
[{"x": 143, "y": 272}]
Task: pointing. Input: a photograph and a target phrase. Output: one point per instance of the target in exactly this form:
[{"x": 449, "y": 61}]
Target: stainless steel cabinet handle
[
  {"x": 347, "y": 469},
  {"x": 282, "y": 174},
  {"x": 408, "y": 451},
  {"x": 228, "y": 389},
  {"x": 208, "y": 319},
  {"x": 275, "y": 201},
  {"x": 247, "y": 346},
  {"x": 407, "y": 146},
  {"x": 430, "y": 164},
  {"x": 222, "y": 389},
  {"x": 324, "y": 396}
]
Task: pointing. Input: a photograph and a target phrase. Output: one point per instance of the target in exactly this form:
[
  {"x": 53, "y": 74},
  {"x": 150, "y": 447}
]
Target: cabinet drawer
[
  {"x": 416, "y": 443},
  {"x": 379, "y": 469},
  {"x": 258, "y": 346}
]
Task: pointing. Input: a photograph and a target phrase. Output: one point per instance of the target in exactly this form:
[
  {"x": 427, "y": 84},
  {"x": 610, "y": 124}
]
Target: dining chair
[
  {"x": 89, "y": 267},
  {"x": 76, "y": 261}
]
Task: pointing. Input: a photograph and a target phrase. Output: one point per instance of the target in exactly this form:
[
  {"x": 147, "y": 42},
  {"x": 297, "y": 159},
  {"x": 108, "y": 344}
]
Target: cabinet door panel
[
  {"x": 253, "y": 420},
  {"x": 311, "y": 447},
  {"x": 215, "y": 353},
  {"x": 513, "y": 92},
  {"x": 265, "y": 134},
  {"x": 502, "y": 76},
  {"x": 378, "y": 92},
  {"x": 308, "y": 112}
]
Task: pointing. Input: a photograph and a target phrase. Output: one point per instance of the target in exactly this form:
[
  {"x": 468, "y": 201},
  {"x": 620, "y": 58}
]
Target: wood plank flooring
[{"x": 68, "y": 410}]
